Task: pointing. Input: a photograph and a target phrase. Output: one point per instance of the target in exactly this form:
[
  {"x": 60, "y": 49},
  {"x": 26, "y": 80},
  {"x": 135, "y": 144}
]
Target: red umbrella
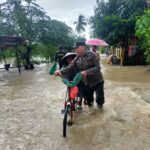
[{"x": 96, "y": 42}]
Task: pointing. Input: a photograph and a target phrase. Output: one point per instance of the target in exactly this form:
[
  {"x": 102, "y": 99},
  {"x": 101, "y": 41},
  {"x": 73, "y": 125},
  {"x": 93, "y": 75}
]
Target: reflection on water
[{"x": 30, "y": 105}]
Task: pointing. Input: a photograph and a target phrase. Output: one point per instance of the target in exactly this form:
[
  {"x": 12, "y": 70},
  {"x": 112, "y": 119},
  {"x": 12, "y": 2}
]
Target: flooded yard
[{"x": 30, "y": 105}]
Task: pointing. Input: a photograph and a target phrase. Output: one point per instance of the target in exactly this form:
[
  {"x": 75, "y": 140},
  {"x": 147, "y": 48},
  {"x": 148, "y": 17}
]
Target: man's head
[
  {"x": 80, "y": 48},
  {"x": 94, "y": 48}
]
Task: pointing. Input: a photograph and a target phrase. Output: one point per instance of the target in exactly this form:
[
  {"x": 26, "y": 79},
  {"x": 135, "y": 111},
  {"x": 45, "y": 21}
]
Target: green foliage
[
  {"x": 44, "y": 51},
  {"x": 80, "y": 24},
  {"x": 24, "y": 19},
  {"x": 27, "y": 19},
  {"x": 102, "y": 50},
  {"x": 58, "y": 33},
  {"x": 114, "y": 20},
  {"x": 143, "y": 32},
  {"x": 8, "y": 53}
]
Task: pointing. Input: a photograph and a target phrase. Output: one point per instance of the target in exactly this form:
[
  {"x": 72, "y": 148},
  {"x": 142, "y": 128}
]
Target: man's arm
[
  {"x": 94, "y": 70},
  {"x": 68, "y": 69},
  {"x": 98, "y": 55}
]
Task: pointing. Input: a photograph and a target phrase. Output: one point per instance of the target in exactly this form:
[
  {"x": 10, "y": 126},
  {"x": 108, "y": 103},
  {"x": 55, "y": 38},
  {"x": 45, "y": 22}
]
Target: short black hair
[
  {"x": 77, "y": 44},
  {"x": 95, "y": 46}
]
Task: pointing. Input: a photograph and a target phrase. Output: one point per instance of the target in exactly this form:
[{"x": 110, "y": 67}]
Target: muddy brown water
[{"x": 30, "y": 118}]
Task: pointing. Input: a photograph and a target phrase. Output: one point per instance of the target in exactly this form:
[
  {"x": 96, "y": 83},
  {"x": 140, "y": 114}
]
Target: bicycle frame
[{"x": 71, "y": 104}]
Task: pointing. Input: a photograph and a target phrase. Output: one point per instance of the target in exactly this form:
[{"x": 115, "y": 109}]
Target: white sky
[{"x": 67, "y": 10}]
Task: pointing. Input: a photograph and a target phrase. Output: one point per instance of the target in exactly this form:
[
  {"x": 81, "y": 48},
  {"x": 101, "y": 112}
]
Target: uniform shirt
[{"x": 90, "y": 63}]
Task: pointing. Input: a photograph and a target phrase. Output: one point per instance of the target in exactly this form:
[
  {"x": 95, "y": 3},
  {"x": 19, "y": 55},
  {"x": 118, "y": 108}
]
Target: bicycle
[
  {"x": 70, "y": 106},
  {"x": 72, "y": 103}
]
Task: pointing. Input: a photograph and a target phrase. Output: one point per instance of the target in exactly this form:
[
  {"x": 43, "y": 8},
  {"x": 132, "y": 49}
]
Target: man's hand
[
  {"x": 58, "y": 73},
  {"x": 84, "y": 73}
]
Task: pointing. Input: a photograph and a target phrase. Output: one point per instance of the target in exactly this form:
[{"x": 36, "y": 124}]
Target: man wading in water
[{"x": 88, "y": 64}]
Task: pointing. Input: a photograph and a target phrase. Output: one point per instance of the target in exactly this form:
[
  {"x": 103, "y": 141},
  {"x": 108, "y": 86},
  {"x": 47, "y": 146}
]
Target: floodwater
[{"x": 30, "y": 118}]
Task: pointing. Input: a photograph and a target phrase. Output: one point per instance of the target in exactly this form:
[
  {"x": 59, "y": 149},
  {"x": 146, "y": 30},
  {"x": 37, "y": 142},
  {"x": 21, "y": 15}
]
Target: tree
[
  {"x": 114, "y": 20},
  {"x": 143, "y": 32},
  {"x": 80, "y": 24},
  {"x": 27, "y": 19},
  {"x": 58, "y": 33}
]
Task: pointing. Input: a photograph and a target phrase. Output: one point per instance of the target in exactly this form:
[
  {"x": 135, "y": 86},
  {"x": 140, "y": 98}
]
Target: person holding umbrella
[
  {"x": 92, "y": 79},
  {"x": 94, "y": 50},
  {"x": 95, "y": 43}
]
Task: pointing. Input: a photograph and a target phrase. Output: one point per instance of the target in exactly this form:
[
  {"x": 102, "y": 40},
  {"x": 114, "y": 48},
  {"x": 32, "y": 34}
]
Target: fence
[
  {"x": 125, "y": 59},
  {"x": 119, "y": 52}
]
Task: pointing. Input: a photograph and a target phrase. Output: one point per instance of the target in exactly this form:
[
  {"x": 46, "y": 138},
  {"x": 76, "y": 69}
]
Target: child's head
[{"x": 69, "y": 59}]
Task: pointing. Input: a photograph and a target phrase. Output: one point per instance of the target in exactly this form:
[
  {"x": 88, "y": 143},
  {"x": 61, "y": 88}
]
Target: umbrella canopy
[{"x": 96, "y": 42}]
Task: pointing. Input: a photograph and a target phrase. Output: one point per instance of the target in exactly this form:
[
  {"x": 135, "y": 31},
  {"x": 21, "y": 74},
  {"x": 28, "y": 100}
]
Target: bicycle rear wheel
[{"x": 65, "y": 122}]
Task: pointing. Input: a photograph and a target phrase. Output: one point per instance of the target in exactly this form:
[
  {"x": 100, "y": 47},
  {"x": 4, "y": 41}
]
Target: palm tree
[{"x": 80, "y": 24}]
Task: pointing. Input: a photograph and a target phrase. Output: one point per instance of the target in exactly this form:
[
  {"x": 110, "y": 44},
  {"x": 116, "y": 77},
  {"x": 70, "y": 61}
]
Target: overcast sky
[{"x": 68, "y": 10}]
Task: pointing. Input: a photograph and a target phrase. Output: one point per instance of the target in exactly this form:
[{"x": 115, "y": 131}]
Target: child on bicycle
[
  {"x": 92, "y": 79},
  {"x": 66, "y": 60}
]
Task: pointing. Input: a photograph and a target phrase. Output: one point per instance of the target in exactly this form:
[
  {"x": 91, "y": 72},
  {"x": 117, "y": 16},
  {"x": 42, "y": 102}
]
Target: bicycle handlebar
[{"x": 75, "y": 81}]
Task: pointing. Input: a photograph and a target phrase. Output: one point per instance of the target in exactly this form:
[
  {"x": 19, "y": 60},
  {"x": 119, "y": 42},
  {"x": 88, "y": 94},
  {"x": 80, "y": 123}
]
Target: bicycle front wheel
[{"x": 65, "y": 122}]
